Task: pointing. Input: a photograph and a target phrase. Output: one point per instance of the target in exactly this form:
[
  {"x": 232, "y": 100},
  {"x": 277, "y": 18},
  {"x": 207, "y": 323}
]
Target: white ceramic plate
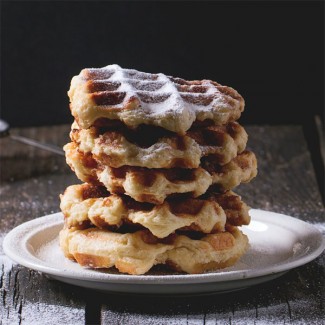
[{"x": 278, "y": 243}]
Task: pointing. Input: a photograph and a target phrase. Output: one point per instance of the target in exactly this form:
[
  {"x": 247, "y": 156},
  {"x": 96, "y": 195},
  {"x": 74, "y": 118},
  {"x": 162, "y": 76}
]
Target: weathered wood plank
[
  {"x": 294, "y": 298},
  {"x": 21, "y": 161},
  {"x": 286, "y": 180},
  {"x": 28, "y": 297},
  {"x": 31, "y": 180}
]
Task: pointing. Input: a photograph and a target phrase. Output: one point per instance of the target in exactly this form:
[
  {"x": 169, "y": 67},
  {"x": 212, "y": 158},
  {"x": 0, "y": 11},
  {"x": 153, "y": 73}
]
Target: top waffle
[{"x": 133, "y": 97}]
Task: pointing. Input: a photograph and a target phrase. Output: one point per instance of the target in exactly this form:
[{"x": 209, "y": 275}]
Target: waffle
[
  {"x": 235, "y": 209},
  {"x": 242, "y": 169},
  {"x": 135, "y": 98},
  {"x": 85, "y": 204},
  {"x": 154, "y": 185},
  {"x": 116, "y": 148},
  {"x": 136, "y": 253}
]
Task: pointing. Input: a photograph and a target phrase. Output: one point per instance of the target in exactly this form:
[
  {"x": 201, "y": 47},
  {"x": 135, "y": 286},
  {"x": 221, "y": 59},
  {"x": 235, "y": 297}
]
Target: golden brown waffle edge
[{"x": 136, "y": 98}]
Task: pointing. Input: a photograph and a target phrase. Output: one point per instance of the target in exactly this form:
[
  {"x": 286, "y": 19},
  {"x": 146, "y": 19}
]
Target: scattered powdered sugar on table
[
  {"x": 7, "y": 263},
  {"x": 43, "y": 313}
]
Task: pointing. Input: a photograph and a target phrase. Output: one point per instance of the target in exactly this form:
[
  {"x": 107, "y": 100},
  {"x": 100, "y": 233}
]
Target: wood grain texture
[
  {"x": 31, "y": 180},
  {"x": 286, "y": 180},
  {"x": 30, "y": 298}
]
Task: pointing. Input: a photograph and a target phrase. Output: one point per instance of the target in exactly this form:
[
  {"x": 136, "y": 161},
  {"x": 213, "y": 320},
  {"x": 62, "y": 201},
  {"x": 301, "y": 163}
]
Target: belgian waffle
[
  {"x": 242, "y": 169},
  {"x": 235, "y": 209},
  {"x": 85, "y": 204},
  {"x": 154, "y": 185},
  {"x": 136, "y": 253},
  {"x": 135, "y": 98},
  {"x": 116, "y": 148}
]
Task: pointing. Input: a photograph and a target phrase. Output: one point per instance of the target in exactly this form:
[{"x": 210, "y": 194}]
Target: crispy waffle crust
[
  {"x": 154, "y": 185},
  {"x": 116, "y": 148},
  {"x": 82, "y": 204},
  {"x": 113, "y": 93},
  {"x": 241, "y": 169},
  {"x": 136, "y": 253},
  {"x": 86, "y": 204}
]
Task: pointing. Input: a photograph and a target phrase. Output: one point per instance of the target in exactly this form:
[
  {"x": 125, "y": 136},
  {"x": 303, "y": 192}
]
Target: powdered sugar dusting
[
  {"x": 143, "y": 98},
  {"x": 51, "y": 254},
  {"x": 6, "y": 263},
  {"x": 167, "y": 98},
  {"x": 43, "y": 313}
]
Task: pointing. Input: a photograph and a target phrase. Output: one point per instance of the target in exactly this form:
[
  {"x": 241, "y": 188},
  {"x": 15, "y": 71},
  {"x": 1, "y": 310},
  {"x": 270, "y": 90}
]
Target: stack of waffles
[{"x": 159, "y": 157}]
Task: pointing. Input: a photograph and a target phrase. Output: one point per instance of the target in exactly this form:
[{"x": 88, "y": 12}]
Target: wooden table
[{"x": 31, "y": 180}]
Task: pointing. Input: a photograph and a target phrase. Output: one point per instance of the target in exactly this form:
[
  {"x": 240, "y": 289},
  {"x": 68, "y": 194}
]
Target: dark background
[{"x": 271, "y": 52}]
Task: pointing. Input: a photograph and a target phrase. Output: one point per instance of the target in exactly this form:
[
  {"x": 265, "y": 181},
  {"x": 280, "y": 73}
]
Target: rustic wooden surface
[{"x": 31, "y": 180}]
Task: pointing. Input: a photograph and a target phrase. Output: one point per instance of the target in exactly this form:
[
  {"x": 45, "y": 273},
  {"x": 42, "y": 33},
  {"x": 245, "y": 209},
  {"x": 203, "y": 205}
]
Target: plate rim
[{"x": 28, "y": 229}]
